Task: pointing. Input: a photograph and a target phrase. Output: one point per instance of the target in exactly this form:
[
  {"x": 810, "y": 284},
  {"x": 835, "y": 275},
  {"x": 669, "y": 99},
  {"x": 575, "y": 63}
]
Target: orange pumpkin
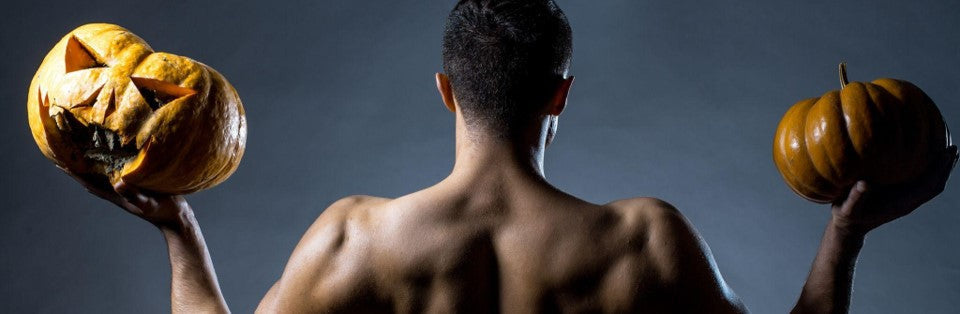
[
  {"x": 104, "y": 102},
  {"x": 885, "y": 132}
]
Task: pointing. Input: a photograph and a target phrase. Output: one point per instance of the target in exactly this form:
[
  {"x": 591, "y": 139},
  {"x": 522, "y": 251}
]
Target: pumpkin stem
[{"x": 843, "y": 75}]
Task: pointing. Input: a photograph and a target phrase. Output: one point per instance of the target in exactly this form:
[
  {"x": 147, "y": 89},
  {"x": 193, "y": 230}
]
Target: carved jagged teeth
[
  {"x": 62, "y": 124},
  {"x": 97, "y": 137},
  {"x": 58, "y": 117},
  {"x": 116, "y": 141},
  {"x": 110, "y": 140}
]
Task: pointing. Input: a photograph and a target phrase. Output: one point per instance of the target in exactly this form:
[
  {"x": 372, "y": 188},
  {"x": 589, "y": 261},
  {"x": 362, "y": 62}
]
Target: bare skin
[{"x": 494, "y": 236}]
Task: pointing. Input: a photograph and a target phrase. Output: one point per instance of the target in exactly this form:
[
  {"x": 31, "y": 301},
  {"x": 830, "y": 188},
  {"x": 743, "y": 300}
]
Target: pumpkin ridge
[
  {"x": 849, "y": 162},
  {"x": 823, "y": 145},
  {"x": 864, "y": 112},
  {"x": 895, "y": 118},
  {"x": 792, "y": 161}
]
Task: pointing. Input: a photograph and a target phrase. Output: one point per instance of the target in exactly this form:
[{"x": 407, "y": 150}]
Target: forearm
[
  {"x": 194, "y": 287},
  {"x": 829, "y": 284}
]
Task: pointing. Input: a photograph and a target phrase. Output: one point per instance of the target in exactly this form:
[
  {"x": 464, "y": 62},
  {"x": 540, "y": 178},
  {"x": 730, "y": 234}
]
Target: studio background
[{"x": 673, "y": 99}]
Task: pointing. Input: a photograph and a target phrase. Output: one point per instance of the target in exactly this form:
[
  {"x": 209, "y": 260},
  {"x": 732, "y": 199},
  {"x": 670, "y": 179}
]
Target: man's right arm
[
  {"x": 328, "y": 271},
  {"x": 193, "y": 284}
]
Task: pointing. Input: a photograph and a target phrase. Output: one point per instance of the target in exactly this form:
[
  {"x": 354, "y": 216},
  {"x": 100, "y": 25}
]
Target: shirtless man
[{"x": 494, "y": 236}]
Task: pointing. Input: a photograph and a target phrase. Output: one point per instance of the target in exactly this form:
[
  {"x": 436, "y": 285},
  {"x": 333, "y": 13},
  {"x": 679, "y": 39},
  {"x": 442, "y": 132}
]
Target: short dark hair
[{"x": 504, "y": 58}]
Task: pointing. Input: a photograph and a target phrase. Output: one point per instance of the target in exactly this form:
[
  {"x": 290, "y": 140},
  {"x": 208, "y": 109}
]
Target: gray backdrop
[{"x": 674, "y": 99}]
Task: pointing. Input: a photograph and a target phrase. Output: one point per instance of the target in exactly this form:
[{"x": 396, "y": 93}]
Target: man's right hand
[
  {"x": 160, "y": 210},
  {"x": 194, "y": 287}
]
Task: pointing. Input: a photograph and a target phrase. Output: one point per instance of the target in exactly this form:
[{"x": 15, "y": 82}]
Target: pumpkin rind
[
  {"x": 183, "y": 120},
  {"x": 885, "y": 132}
]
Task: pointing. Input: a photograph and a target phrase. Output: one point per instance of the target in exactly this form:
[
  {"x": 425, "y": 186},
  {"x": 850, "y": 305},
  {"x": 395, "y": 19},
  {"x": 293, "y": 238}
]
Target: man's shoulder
[
  {"x": 352, "y": 212},
  {"x": 646, "y": 210},
  {"x": 352, "y": 205},
  {"x": 327, "y": 256},
  {"x": 335, "y": 217},
  {"x": 665, "y": 230},
  {"x": 357, "y": 201},
  {"x": 679, "y": 257}
]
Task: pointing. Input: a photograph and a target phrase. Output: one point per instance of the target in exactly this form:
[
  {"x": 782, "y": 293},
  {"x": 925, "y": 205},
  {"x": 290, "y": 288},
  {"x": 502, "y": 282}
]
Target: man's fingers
[
  {"x": 121, "y": 194},
  {"x": 949, "y": 165},
  {"x": 854, "y": 198},
  {"x": 933, "y": 181},
  {"x": 887, "y": 203},
  {"x": 130, "y": 193},
  {"x": 942, "y": 172},
  {"x": 94, "y": 184},
  {"x": 956, "y": 156}
]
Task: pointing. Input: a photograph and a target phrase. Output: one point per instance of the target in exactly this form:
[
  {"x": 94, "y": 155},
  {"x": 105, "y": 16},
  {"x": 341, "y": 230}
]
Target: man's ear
[
  {"x": 559, "y": 100},
  {"x": 446, "y": 92}
]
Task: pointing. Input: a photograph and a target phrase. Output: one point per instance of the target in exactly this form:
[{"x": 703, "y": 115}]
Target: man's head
[{"x": 506, "y": 61}]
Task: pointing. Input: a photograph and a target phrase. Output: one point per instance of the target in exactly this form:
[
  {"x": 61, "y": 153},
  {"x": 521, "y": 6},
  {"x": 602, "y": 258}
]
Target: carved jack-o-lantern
[{"x": 104, "y": 102}]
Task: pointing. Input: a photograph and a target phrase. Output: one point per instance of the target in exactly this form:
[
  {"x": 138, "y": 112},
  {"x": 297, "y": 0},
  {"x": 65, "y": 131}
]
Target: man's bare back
[
  {"x": 506, "y": 242},
  {"x": 494, "y": 236}
]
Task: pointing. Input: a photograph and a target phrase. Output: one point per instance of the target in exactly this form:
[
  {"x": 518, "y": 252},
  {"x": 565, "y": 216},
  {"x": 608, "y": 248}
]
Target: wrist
[
  {"x": 181, "y": 222},
  {"x": 845, "y": 232}
]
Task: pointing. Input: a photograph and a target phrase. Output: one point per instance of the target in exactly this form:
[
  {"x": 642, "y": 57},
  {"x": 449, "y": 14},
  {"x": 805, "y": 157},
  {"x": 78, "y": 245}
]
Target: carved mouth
[{"x": 99, "y": 145}]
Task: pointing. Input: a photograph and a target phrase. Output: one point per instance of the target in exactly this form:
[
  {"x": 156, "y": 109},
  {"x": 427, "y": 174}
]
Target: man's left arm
[
  {"x": 829, "y": 285},
  {"x": 694, "y": 284},
  {"x": 690, "y": 278}
]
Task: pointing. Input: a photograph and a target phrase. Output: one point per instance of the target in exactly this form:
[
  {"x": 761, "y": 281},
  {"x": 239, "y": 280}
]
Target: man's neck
[
  {"x": 487, "y": 158},
  {"x": 480, "y": 157}
]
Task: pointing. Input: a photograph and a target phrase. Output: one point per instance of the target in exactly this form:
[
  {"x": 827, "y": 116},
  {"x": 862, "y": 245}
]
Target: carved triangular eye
[
  {"x": 78, "y": 57},
  {"x": 158, "y": 93}
]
